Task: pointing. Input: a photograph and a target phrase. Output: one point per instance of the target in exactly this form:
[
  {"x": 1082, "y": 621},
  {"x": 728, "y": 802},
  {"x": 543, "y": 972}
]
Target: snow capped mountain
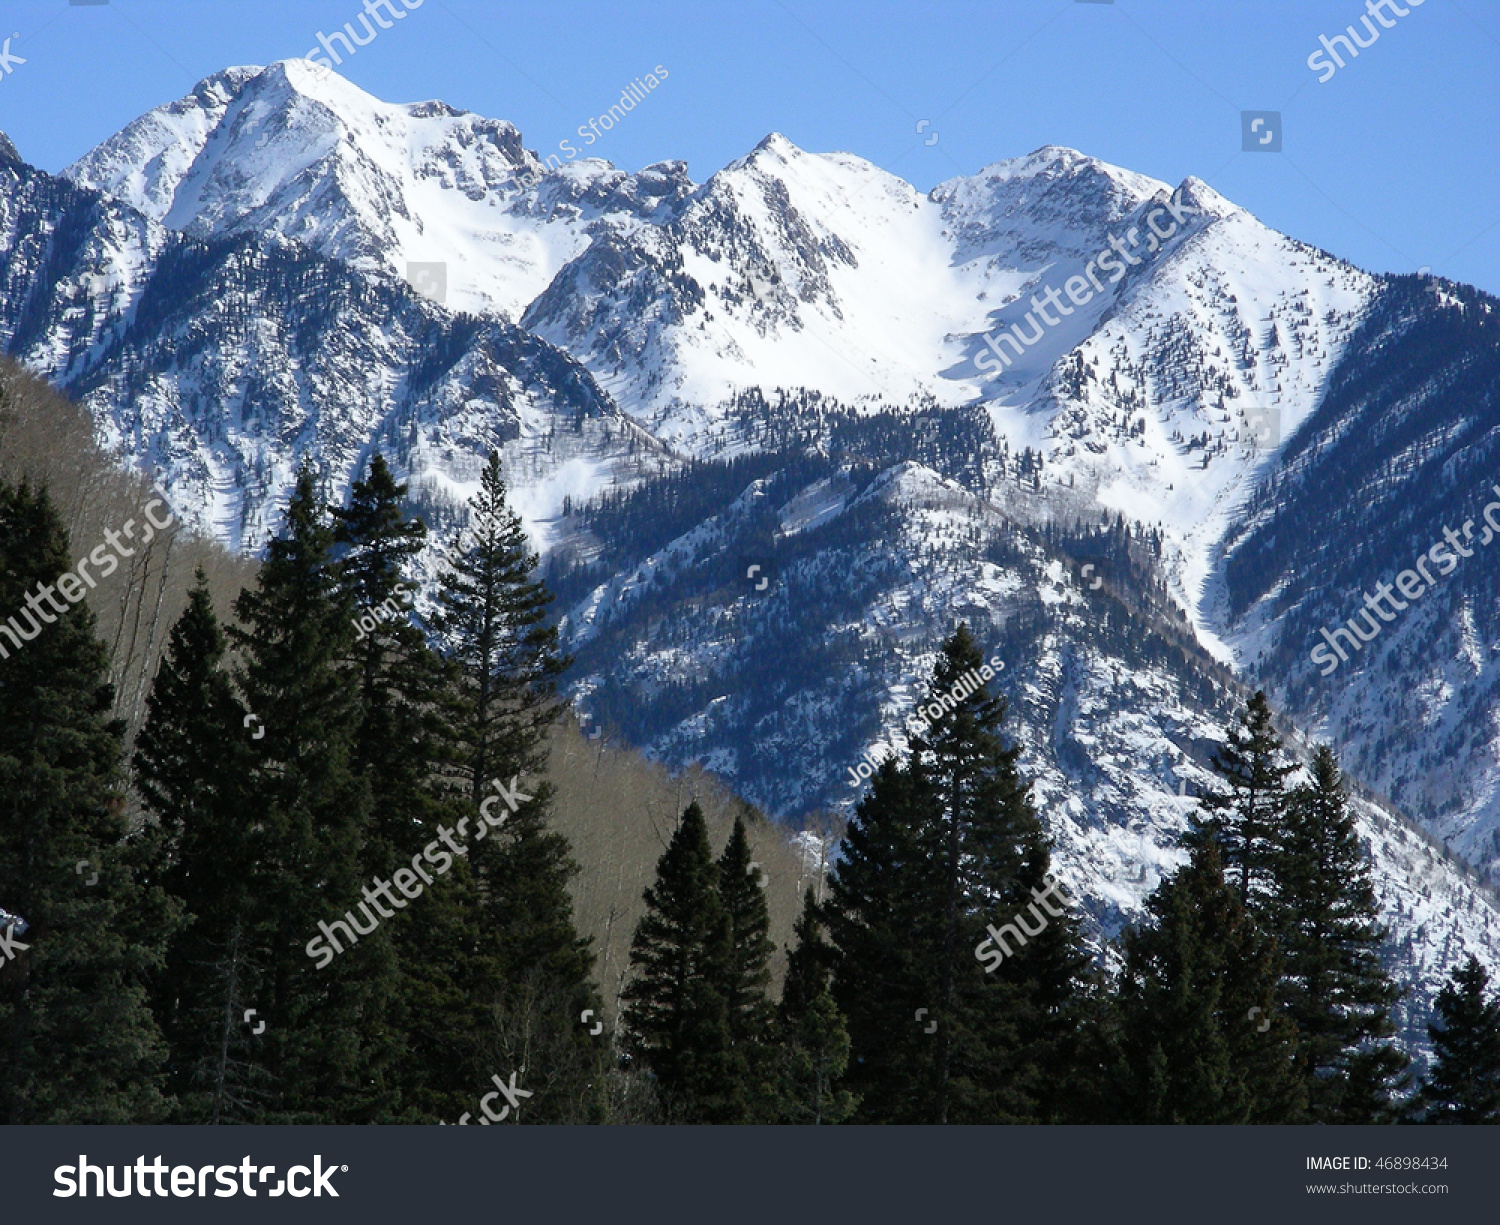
[
  {"x": 778, "y": 431},
  {"x": 295, "y": 151},
  {"x": 225, "y": 364}
]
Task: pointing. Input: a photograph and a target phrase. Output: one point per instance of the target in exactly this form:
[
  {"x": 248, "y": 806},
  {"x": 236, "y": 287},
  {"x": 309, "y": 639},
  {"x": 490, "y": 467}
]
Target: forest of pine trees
[{"x": 292, "y": 766}]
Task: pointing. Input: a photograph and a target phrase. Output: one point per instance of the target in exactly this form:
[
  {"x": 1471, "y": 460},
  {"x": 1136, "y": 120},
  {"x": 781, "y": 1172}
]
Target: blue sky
[{"x": 1393, "y": 163}]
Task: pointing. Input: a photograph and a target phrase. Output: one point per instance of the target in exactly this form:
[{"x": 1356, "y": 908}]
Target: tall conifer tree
[
  {"x": 1322, "y": 912},
  {"x": 1247, "y": 821},
  {"x": 677, "y": 1017},
  {"x": 747, "y": 971},
  {"x": 192, "y": 765},
  {"x": 492, "y": 621},
  {"x": 328, "y": 1042},
  {"x": 814, "y": 1042},
  {"x": 946, "y": 1025},
  {"x": 78, "y": 1042},
  {"x": 409, "y": 752}
]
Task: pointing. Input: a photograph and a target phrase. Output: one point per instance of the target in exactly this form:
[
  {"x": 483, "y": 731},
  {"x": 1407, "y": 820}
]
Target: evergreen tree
[
  {"x": 939, "y": 852},
  {"x": 1201, "y": 1037},
  {"x": 1464, "y": 1083},
  {"x": 877, "y": 918},
  {"x": 747, "y": 972},
  {"x": 328, "y": 1044},
  {"x": 677, "y": 1017},
  {"x": 78, "y": 1042},
  {"x": 1247, "y": 822},
  {"x": 409, "y": 752},
  {"x": 402, "y": 735},
  {"x": 493, "y": 618},
  {"x": 1322, "y": 912},
  {"x": 192, "y": 764},
  {"x": 814, "y": 1040},
  {"x": 492, "y": 621}
]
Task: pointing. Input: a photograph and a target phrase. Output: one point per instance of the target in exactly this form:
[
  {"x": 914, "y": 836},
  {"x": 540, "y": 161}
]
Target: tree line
[
  {"x": 304, "y": 749},
  {"x": 289, "y": 758},
  {"x": 942, "y": 981}
]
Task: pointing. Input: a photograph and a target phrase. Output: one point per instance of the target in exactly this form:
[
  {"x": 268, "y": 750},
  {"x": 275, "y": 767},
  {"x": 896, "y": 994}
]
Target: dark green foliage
[
  {"x": 1322, "y": 912},
  {"x": 407, "y": 752},
  {"x": 328, "y": 1046},
  {"x": 1247, "y": 821},
  {"x": 1201, "y": 1037},
  {"x": 493, "y": 622},
  {"x": 747, "y": 972},
  {"x": 677, "y": 1019},
  {"x": 192, "y": 764},
  {"x": 78, "y": 1042},
  {"x": 880, "y": 926},
  {"x": 1464, "y": 1083},
  {"x": 940, "y": 852},
  {"x": 814, "y": 1050},
  {"x": 748, "y": 969}
]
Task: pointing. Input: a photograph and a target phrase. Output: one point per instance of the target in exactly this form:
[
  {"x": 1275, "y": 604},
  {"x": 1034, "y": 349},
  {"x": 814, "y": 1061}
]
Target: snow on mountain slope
[
  {"x": 1117, "y": 715},
  {"x": 235, "y": 305},
  {"x": 298, "y": 152},
  {"x": 821, "y": 271},
  {"x": 1403, "y": 448},
  {"x": 1177, "y": 406},
  {"x": 225, "y": 365}
]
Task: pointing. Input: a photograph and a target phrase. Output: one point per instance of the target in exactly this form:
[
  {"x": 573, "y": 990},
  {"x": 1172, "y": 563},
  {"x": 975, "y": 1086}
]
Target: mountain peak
[
  {"x": 8, "y": 150},
  {"x": 775, "y": 142}
]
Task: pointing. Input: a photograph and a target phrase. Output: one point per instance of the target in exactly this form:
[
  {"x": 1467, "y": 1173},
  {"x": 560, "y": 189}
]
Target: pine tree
[
  {"x": 328, "y": 1043},
  {"x": 677, "y": 1018},
  {"x": 1322, "y": 912},
  {"x": 1464, "y": 1083},
  {"x": 402, "y": 734},
  {"x": 1201, "y": 1037},
  {"x": 1247, "y": 822},
  {"x": 78, "y": 1042},
  {"x": 492, "y": 622},
  {"x": 940, "y": 851},
  {"x": 994, "y": 862},
  {"x": 880, "y": 925},
  {"x": 192, "y": 765},
  {"x": 408, "y": 750},
  {"x": 747, "y": 968},
  {"x": 493, "y": 618},
  {"x": 814, "y": 1042}
]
